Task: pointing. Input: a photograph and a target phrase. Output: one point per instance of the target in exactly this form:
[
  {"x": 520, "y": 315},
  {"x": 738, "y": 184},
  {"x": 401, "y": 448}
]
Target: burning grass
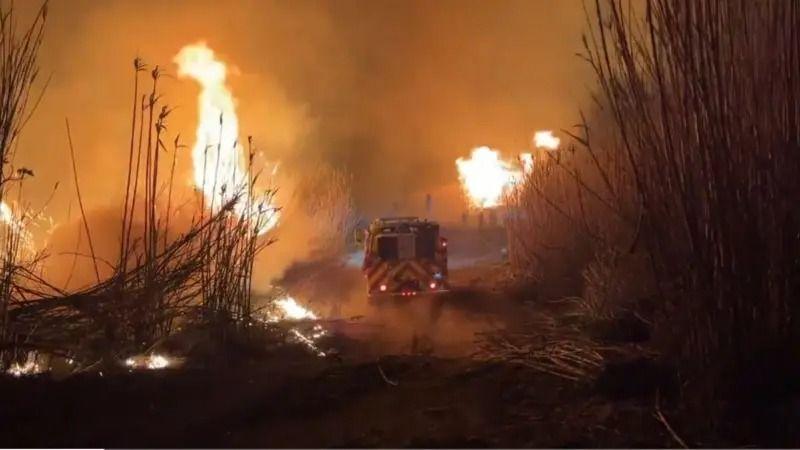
[{"x": 168, "y": 276}]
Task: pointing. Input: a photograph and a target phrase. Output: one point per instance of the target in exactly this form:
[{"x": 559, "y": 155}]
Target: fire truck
[{"x": 404, "y": 256}]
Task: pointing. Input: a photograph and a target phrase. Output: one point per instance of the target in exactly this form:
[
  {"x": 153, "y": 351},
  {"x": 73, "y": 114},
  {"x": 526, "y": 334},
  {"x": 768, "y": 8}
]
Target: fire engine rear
[{"x": 404, "y": 256}]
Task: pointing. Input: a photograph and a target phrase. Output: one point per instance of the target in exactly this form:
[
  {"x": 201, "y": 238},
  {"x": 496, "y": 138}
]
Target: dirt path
[
  {"x": 428, "y": 401},
  {"x": 401, "y": 376}
]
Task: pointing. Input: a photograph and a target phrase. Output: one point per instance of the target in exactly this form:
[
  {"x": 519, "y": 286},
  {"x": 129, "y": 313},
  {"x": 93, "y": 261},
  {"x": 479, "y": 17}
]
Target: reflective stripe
[
  {"x": 387, "y": 273},
  {"x": 377, "y": 275}
]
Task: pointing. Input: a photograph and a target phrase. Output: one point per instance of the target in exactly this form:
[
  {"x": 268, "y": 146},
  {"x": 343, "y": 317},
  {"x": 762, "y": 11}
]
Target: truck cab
[{"x": 404, "y": 256}]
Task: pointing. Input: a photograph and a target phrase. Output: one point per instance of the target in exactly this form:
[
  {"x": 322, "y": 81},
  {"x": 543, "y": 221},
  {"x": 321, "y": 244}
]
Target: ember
[
  {"x": 309, "y": 340},
  {"x": 154, "y": 361},
  {"x": 31, "y": 366}
]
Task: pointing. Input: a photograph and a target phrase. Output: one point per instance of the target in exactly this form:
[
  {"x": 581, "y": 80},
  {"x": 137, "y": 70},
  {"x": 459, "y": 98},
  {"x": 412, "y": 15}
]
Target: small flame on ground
[
  {"x": 546, "y": 140},
  {"x": 153, "y": 361},
  {"x": 219, "y": 165},
  {"x": 157, "y": 362},
  {"x": 288, "y": 309},
  {"x": 31, "y": 366},
  {"x": 292, "y": 310}
]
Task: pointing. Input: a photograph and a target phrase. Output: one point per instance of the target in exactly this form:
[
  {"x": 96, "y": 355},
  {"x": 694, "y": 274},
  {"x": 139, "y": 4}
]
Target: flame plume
[
  {"x": 219, "y": 165},
  {"x": 484, "y": 177}
]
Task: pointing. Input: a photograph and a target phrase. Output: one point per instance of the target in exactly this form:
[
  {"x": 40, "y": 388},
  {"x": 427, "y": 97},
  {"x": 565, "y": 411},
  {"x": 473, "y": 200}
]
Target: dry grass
[
  {"x": 689, "y": 166},
  {"x": 19, "y": 71},
  {"x": 547, "y": 345},
  {"x": 574, "y": 219},
  {"x": 706, "y": 103}
]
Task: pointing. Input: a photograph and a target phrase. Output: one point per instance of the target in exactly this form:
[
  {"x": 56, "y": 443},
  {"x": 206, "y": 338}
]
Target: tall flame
[
  {"x": 484, "y": 177},
  {"x": 219, "y": 166}
]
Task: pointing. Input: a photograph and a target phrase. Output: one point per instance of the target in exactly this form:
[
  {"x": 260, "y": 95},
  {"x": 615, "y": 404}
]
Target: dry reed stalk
[
  {"x": 547, "y": 346},
  {"x": 84, "y": 220},
  {"x": 706, "y": 101},
  {"x": 692, "y": 158},
  {"x": 19, "y": 71},
  {"x": 139, "y": 66}
]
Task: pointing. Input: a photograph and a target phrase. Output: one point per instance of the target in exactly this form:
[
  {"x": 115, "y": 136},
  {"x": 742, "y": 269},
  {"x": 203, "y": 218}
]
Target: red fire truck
[{"x": 404, "y": 256}]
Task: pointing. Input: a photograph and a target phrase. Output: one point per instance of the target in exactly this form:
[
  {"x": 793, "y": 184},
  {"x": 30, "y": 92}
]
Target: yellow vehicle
[{"x": 404, "y": 256}]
